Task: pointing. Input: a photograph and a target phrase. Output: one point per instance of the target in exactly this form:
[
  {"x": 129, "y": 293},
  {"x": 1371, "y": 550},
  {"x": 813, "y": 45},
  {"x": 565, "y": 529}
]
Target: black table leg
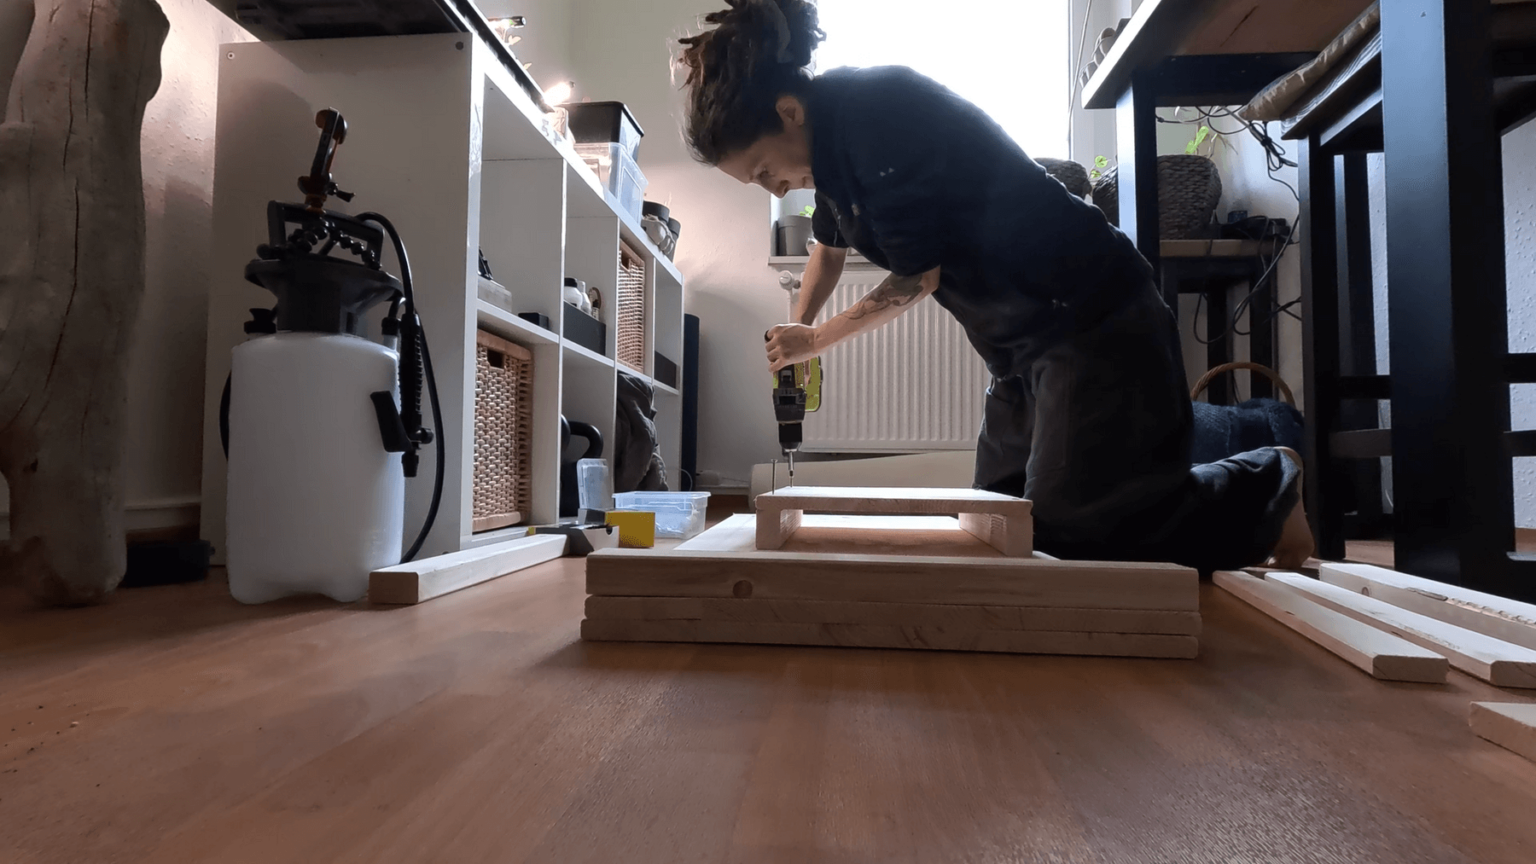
[
  {"x": 1451, "y": 476},
  {"x": 1320, "y": 346},
  {"x": 1136, "y": 125}
]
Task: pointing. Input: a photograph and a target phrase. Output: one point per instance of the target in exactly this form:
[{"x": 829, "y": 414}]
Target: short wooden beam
[
  {"x": 420, "y": 581},
  {"x": 1511, "y": 725}
]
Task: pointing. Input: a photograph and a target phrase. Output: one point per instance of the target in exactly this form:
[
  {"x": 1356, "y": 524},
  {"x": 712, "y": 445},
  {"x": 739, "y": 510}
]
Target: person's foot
[{"x": 1296, "y": 544}]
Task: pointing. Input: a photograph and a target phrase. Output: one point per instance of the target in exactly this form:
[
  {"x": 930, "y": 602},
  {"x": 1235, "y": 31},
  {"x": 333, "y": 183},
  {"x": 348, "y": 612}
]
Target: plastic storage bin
[
  {"x": 618, "y": 173},
  {"x": 604, "y": 123},
  {"x": 678, "y": 514}
]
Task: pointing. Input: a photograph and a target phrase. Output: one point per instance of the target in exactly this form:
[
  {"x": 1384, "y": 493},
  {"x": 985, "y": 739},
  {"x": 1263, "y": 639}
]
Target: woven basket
[
  {"x": 1072, "y": 175},
  {"x": 1188, "y": 190},
  {"x": 631, "y": 309},
  {"x": 1256, "y": 368},
  {"x": 503, "y": 432}
]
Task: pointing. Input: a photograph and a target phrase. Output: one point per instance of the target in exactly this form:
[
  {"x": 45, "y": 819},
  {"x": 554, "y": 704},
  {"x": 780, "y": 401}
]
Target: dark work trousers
[{"x": 1096, "y": 433}]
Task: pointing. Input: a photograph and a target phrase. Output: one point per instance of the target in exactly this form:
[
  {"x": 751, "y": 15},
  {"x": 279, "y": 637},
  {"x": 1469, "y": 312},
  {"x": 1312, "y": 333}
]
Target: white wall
[
  {"x": 546, "y": 44},
  {"x": 165, "y": 385}
]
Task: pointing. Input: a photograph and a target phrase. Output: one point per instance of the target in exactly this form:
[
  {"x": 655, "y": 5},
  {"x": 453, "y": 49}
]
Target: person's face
[{"x": 780, "y": 162}]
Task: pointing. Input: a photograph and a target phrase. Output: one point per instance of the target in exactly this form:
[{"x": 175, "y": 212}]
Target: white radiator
[{"x": 914, "y": 384}]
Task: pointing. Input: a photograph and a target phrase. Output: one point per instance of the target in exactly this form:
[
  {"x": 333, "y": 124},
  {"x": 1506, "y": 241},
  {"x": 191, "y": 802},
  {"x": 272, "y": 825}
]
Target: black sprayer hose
[{"x": 426, "y": 362}]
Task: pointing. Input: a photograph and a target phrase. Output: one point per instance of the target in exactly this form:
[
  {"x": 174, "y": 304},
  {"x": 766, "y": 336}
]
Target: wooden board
[
  {"x": 893, "y": 501},
  {"x": 1488, "y": 614},
  {"x": 1000, "y": 521},
  {"x": 419, "y": 581},
  {"x": 854, "y": 535},
  {"x": 1493, "y": 660},
  {"x": 1511, "y": 725},
  {"x": 842, "y": 568},
  {"x": 873, "y": 636},
  {"x": 892, "y": 578},
  {"x": 1381, "y": 655},
  {"x": 950, "y": 617}
]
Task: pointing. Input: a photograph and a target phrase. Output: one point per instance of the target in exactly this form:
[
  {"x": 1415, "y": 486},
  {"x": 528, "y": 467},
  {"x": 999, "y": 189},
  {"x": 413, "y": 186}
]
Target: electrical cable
[{"x": 409, "y": 313}]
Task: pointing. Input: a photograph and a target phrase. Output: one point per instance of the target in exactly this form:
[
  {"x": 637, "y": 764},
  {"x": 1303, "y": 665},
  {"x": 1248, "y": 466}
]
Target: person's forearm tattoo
[{"x": 894, "y": 291}]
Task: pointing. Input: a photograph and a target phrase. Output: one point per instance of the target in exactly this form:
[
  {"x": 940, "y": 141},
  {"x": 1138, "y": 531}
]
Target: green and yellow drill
[{"x": 796, "y": 391}]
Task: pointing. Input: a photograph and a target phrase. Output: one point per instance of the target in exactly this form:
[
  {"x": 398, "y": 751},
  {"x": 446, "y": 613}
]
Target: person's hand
[{"x": 789, "y": 344}]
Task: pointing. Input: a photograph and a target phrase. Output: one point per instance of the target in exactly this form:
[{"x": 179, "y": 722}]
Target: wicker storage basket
[
  {"x": 631, "y": 309},
  {"x": 1188, "y": 190},
  {"x": 503, "y": 432}
]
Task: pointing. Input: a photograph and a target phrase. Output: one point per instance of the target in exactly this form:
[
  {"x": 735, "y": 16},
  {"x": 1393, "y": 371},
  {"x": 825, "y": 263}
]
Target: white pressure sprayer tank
[
  {"x": 315, "y": 501},
  {"x": 319, "y": 444}
]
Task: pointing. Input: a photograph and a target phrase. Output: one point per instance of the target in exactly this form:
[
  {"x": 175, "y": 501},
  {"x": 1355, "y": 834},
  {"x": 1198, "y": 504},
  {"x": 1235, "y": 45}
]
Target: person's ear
[{"x": 791, "y": 111}]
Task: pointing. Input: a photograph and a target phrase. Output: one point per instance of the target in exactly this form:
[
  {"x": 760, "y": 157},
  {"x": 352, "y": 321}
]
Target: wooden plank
[
  {"x": 419, "y": 581},
  {"x": 871, "y": 636},
  {"x": 1493, "y": 660},
  {"x": 830, "y": 533},
  {"x": 779, "y": 513},
  {"x": 1270, "y": 26},
  {"x": 1488, "y": 614},
  {"x": 1511, "y": 725},
  {"x": 892, "y": 501},
  {"x": 775, "y": 527},
  {"x": 1381, "y": 655},
  {"x": 894, "y": 615},
  {"x": 1013, "y": 536},
  {"x": 893, "y": 578}
]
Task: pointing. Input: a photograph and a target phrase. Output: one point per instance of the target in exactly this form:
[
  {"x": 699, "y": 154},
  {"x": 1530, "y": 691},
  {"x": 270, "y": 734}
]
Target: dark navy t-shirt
[{"x": 914, "y": 177}]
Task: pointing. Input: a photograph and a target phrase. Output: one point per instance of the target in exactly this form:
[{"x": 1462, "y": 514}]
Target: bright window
[{"x": 1007, "y": 56}]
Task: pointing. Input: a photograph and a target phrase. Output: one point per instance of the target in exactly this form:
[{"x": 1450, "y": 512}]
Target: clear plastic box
[
  {"x": 678, "y": 514},
  {"x": 617, "y": 172}
]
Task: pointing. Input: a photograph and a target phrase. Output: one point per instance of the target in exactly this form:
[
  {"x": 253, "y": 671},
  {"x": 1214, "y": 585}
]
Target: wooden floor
[{"x": 174, "y": 725}]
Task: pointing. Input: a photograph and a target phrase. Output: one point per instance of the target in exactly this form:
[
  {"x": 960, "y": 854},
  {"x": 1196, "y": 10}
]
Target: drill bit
[{"x": 791, "y": 467}]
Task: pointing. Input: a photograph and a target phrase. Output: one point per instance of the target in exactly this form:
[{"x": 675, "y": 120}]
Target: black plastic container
[
  {"x": 584, "y": 330},
  {"x": 167, "y": 563},
  {"x": 603, "y": 123},
  {"x": 666, "y": 371}
]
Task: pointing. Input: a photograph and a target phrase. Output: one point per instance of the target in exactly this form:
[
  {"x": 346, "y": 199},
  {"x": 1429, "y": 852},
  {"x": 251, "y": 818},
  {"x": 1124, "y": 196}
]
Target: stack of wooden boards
[
  {"x": 881, "y": 581},
  {"x": 1398, "y": 627}
]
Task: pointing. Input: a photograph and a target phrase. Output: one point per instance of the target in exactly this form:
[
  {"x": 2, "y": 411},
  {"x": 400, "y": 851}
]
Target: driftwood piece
[{"x": 71, "y": 280}]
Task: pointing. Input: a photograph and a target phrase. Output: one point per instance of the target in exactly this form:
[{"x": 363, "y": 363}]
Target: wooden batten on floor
[
  {"x": 1500, "y": 663},
  {"x": 1491, "y": 615},
  {"x": 1380, "y": 655},
  {"x": 1511, "y": 725},
  {"x": 423, "y": 580}
]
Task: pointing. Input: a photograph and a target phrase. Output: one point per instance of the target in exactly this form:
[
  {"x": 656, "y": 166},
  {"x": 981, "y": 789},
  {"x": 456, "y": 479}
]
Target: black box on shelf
[
  {"x": 666, "y": 371},
  {"x": 538, "y": 318},
  {"x": 605, "y": 122},
  {"x": 584, "y": 330}
]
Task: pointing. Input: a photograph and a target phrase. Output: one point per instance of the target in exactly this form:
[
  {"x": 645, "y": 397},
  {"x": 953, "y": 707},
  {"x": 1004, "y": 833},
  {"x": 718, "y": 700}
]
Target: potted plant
[{"x": 794, "y": 232}]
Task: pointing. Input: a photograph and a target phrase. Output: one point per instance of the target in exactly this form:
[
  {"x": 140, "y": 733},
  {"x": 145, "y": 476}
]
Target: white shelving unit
[{"x": 442, "y": 141}]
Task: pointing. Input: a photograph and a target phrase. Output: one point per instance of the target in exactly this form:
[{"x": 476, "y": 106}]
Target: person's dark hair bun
[{"x": 757, "y": 52}]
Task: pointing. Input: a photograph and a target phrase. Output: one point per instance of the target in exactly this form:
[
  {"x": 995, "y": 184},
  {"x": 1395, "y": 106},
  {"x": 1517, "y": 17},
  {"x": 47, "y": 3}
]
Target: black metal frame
[{"x": 1438, "y": 121}]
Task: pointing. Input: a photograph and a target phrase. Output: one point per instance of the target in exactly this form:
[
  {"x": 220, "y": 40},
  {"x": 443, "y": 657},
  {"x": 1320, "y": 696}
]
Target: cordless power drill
[{"x": 796, "y": 391}]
